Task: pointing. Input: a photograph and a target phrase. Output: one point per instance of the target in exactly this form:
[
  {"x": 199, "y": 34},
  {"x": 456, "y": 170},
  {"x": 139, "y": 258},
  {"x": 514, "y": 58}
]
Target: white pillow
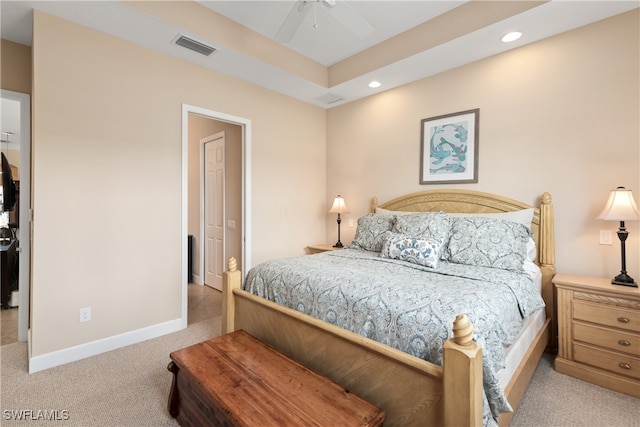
[
  {"x": 531, "y": 250},
  {"x": 389, "y": 212},
  {"x": 523, "y": 216},
  {"x": 532, "y": 270}
]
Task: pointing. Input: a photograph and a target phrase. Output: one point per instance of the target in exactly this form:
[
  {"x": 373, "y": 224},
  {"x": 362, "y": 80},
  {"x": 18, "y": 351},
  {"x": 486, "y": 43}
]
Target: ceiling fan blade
[
  {"x": 290, "y": 25},
  {"x": 349, "y": 18}
]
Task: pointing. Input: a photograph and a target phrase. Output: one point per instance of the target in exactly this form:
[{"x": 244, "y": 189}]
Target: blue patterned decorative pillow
[
  {"x": 372, "y": 231},
  {"x": 412, "y": 249},
  {"x": 488, "y": 242},
  {"x": 426, "y": 225}
]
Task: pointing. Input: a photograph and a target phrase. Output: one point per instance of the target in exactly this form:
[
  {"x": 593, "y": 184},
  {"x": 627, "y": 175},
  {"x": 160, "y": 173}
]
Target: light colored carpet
[
  {"x": 130, "y": 387},
  {"x": 124, "y": 387},
  {"x": 556, "y": 400}
]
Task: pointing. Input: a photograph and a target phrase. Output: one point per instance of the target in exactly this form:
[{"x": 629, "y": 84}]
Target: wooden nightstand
[
  {"x": 324, "y": 247},
  {"x": 599, "y": 332}
]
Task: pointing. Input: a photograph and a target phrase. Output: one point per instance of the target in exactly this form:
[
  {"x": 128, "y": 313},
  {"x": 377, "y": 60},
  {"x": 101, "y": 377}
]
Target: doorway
[
  {"x": 199, "y": 123},
  {"x": 16, "y": 131}
]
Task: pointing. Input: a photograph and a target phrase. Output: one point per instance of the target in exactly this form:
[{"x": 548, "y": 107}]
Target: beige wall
[
  {"x": 15, "y": 75},
  {"x": 15, "y": 66},
  {"x": 201, "y": 127},
  {"x": 107, "y": 179},
  {"x": 560, "y": 115}
]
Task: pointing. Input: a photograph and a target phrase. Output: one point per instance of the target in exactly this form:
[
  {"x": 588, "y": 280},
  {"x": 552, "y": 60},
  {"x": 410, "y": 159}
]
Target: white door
[{"x": 214, "y": 210}]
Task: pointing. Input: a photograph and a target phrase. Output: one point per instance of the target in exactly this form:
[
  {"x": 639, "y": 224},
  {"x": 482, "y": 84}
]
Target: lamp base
[
  {"x": 338, "y": 244},
  {"x": 623, "y": 279}
]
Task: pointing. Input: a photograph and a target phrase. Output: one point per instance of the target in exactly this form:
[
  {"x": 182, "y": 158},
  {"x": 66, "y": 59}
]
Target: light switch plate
[{"x": 606, "y": 237}]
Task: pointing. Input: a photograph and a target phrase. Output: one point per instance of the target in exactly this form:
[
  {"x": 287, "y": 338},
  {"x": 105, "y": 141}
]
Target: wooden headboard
[{"x": 468, "y": 201}]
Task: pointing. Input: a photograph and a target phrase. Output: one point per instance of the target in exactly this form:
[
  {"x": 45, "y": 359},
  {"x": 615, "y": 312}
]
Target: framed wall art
[{"x": 449, "y": 148}]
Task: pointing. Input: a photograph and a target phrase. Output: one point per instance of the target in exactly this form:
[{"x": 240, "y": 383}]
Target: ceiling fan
[{"x": 340, "y": 10}]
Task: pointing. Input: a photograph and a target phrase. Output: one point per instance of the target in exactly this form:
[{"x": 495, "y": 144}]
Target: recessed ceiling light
[
  {"x": 512, "y": 36},
  {"x": 374, "y": 84}
]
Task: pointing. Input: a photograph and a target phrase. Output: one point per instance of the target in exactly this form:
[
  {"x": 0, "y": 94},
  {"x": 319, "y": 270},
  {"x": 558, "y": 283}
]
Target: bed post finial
[
  {"x": 374, "y": 204},
  {"x": 462, "y": 330},
  {"x": 232, "y": 264},
  {"x": 462, "y": 384}
]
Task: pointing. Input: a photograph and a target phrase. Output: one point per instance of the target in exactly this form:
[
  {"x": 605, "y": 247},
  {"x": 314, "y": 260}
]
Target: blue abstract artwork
[{"x": 449, "y": 148}]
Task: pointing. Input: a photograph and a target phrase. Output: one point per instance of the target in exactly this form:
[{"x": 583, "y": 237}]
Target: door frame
[
  {"x": 245, "y": 124},
  {"x": 202, "y": 247},
  {"x": 24, "y": 263}
]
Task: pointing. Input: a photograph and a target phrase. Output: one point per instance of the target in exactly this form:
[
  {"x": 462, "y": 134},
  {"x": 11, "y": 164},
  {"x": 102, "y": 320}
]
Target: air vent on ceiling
[
  {"x": 194, "y": 45},
  {"x": 330, "y": 98}
]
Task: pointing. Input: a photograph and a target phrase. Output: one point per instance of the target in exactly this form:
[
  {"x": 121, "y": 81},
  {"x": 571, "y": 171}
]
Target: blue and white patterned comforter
[{"x": 404, "y": 305}]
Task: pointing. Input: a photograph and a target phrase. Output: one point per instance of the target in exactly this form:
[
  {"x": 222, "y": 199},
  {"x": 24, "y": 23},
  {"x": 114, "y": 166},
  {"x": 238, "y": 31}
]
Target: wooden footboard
[{"x": 410, "y": 390}]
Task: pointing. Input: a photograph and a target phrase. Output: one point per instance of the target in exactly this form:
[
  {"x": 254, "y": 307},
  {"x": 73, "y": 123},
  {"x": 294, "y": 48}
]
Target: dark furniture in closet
[{"x": 8, "y": 271}]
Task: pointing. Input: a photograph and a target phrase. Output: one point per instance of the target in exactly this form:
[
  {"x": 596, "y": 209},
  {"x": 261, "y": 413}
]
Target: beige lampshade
[
  {"x": 338, "y": 205},
  {"x": 620, "y": 207}
]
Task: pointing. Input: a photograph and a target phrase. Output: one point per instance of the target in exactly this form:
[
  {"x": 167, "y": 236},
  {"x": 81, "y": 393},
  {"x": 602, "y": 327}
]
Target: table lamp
[
  {"x": 338, "y": 207},
  {"x": 621, "y": 207}
]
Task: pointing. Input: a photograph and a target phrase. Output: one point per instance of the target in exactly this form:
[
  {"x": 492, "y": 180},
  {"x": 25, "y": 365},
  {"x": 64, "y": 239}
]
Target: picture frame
[{"x": 449, "y": 148}]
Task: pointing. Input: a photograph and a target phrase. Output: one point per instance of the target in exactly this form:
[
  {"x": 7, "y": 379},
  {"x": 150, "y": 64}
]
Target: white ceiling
[
  {"x": 331, "y": 41},
  {"x": 327, "y": 44}
]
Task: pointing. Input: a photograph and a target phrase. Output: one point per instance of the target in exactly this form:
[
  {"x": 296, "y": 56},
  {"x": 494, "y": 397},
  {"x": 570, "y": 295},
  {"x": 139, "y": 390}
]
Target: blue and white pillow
[
  {"x": 488, "y": 242},
  {"x": 421, "y": 251},
  {"x": 425, "y": 225},
  {"x": 372, "y": 231}
]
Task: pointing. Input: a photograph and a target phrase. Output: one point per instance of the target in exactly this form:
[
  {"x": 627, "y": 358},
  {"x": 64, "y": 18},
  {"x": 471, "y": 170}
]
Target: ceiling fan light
[
  {"x": 511, "y": 36},
  {"x": 374, "y": 84}
]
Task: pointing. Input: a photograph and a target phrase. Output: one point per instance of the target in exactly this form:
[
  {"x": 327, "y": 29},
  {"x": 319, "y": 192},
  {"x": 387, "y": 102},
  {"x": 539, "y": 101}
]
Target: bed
[{"x": 412, "y": 390}]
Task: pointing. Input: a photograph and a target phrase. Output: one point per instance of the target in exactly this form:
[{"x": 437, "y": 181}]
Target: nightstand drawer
[
  {"x": 608, "y": 315},
  {"x": 604, "y": 337},
  {"x": 607, "y": 360}
]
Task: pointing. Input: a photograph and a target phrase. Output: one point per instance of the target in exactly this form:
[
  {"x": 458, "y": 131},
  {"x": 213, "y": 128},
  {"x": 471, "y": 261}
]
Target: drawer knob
[
  {"x": 624, "y": 343},
  {"x": 624, "y": 365},
  {"x": 623, "y": 320}
]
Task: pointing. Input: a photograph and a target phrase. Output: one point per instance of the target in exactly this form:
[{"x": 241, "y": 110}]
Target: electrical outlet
[
  {"x": 350, "y": 222},
  {"x": 85, "y": 314},
  {"x": 606, "y": 237}
]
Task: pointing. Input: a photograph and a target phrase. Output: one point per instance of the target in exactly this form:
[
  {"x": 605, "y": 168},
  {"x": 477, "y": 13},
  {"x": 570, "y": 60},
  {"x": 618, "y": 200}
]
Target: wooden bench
[{"x": 237, "y": 380}]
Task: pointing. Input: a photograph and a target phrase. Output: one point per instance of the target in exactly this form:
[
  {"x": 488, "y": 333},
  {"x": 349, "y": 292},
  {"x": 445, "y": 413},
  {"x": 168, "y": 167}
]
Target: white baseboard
[{"x": 82, "y": 351}]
